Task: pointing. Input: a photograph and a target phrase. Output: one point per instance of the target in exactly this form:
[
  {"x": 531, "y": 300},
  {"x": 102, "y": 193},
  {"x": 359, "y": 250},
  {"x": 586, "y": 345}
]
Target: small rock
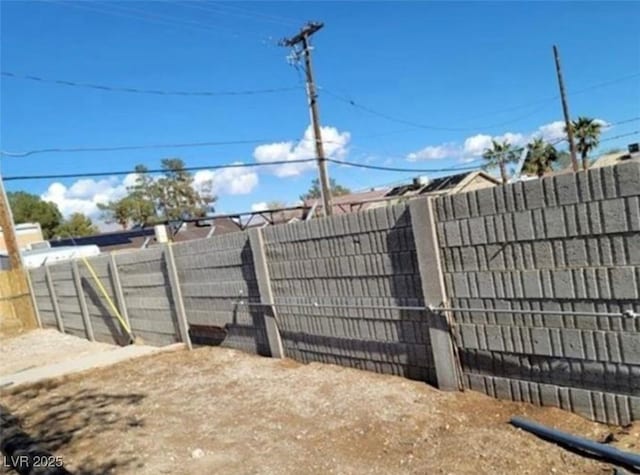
[{"x": 197, "y": 454}]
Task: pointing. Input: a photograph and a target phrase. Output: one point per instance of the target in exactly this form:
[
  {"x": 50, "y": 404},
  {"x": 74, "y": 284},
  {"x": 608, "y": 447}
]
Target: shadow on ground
[{"x": 37, "y": 420}]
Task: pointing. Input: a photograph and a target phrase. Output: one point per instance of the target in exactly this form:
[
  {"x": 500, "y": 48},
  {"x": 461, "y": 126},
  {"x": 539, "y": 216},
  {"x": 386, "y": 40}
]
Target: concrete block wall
[
  {"x": 43, "y": 298},
  {"x": 564, "y": 243},
  {"x": 105, "y": 325},
  {"x": 67, "y": 298},
  {"x": 216, "y": 277},
  {"x": 147, "y": 295},
  {"x": 367, "y": 258}
]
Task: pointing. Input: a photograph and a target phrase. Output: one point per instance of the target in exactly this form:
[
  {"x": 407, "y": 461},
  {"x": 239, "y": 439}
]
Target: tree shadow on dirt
[{"x": 52, "y": 423}]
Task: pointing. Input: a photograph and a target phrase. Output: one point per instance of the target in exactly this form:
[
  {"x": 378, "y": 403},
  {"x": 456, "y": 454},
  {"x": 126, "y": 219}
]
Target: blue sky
[{"x": 453, "y": 65}]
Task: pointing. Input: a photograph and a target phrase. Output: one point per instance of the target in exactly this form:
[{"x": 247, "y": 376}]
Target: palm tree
[
  {"x": 586, "y": 132},
  {"x": 499, "y": 155},
  {"x": 540, "y": 157}
]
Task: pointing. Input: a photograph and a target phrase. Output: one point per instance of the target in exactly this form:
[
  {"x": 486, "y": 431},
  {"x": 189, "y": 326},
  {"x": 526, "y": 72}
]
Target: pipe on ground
[{"x": 603, "y": 451}]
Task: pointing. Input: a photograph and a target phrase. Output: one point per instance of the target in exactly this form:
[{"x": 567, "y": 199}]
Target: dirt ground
[{"x": 215, "y": 410}]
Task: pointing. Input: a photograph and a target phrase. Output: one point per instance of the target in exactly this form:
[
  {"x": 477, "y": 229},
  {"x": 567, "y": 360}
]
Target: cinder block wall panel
[
  {"x": 564, "y": 243},
  {"x": 106, "y": 326},
  {"x": 67, "y": 297},
  {"x": 365, "y": 258},
  {"x": 43, "y": 297},
  {"x": 217, "y": 279},
  {"x": 148, "y": 296}
]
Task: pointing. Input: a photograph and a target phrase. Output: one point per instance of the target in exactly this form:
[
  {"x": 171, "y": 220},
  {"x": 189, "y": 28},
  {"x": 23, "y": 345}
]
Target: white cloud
[
  {"x": 434, "y": 152},
  {"x": 229, "y": 181},
  {"x": 473, "y": 147},
  {"x": 514, "y": 139},
  {"x": 84, "y": 195},
  {"x": 261, "y": 206},
  {"x": 551, "y": 132},
  {"x": 335, "y": 146}
]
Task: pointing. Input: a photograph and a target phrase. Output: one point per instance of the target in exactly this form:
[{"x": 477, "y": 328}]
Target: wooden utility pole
[
  {"x": 303, "y": 38},
  {"x": 8, "y": 230},
  {"x": 565, "y": 111}
]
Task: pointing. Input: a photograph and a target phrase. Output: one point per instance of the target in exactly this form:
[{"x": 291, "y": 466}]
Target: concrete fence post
[
  {"x": 32, "y": 295},
  {"x": 256, "y": 242},
  {"x": 176, "y": 293},
  {"x": 433, "y": 290},
  {"x": 54, "y": 299},
  {"x": 117, "y": 288},
  {"x": 84, "y": 310}
]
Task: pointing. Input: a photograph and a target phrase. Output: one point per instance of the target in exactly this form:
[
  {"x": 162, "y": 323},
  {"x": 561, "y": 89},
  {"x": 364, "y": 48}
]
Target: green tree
[
  {"x": 77, "y": 225},
  {"x": 128, "y": 211},
  {"x": 175, "y": 194},
  {"x": 315, "y": 193},
  {"x": 500, "y": 154},
  {"x": 172, "y": 196},
  {"x": 141, "y": 200},
  {"x": 275, "y": 204},
  {"x": 138, "y": 207},
  {"x": 540, "y": 157},
  {"x": 28, "y": 208},
  {"x": 586, "y": 132}
]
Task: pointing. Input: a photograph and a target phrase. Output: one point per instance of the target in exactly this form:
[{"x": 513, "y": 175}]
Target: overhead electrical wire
[
  {"x": 419, "y": 125},
  {"x": 281, "y": 162},
  {"x": 118, "y": 148},
  {"x": 233, "y": 10},
  {"x": 399, "y": 169},
  {"x": 160, "y": 92},
  {"x": 416, "y": 124},
  {"x": 149, "y": 17},
  {"x": 155, "y": 170},
  {"x": 229, "y": 165}
]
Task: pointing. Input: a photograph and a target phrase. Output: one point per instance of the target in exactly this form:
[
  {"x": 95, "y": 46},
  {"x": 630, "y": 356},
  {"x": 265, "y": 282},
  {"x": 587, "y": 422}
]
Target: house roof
[
  {"x": 615, "y": 158},
  {"x": 376, "y": 197},
  {"x": 445, "y": 184},
  {"x": 353, "y": 201},
  {"x": 135, "y": 238}
]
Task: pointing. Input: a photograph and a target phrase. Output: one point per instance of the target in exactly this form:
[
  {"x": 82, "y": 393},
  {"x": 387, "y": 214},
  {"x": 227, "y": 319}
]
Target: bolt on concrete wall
[{"x": 564, "y": 243}]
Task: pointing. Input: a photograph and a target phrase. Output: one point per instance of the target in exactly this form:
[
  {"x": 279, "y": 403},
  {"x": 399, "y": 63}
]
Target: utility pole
[
  {"x": 565, "y": 110},
  {"x": 303, "y": 38},
  {"x": 8, "y": 230}
]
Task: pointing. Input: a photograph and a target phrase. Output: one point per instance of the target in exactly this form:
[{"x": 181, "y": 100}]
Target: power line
[
  {"x": 171, "y": 18},
  {"x": 149, "y": 91},
  {"x": 399, "y": 169},
  {"x": 236, "y": 11},
  {"x": 418, "y": 125},
  {"x": 282, "y": 162},
  {"x": 230, "y": 165},
  {"x": 133, "y": 147},
  {"x": 143, "y": 15},
  {"x": 628, "y": 134},
  {"x": 155, "y": 170},
  {"x": 467, "y": 129},
  {"x": 118, "y": 148}
]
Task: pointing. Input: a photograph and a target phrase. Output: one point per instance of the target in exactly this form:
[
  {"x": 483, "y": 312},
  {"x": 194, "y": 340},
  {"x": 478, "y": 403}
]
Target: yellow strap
[{"x": 115, "y": 310}]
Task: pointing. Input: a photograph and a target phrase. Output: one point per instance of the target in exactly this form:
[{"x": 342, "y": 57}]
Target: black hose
[{"x": 602, "y": 451}]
